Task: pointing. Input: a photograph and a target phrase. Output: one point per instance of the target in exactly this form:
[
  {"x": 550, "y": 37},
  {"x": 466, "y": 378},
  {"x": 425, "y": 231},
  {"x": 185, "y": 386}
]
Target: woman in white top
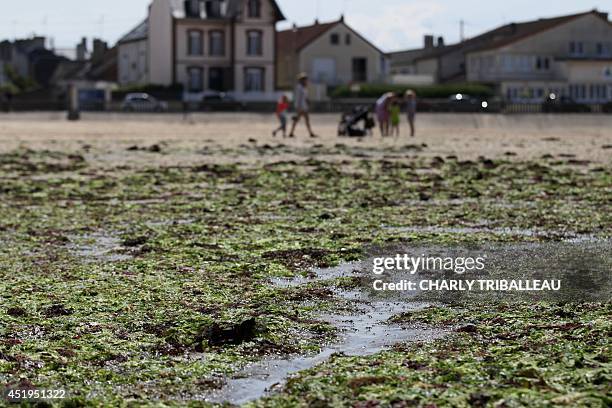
[{"x": 301, "y": 105}]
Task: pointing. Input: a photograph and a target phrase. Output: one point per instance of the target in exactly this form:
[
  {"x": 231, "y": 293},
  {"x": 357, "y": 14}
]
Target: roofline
[
  {"x": 330, "y": 25},
  {"x": 458, "y": 46},
  {"x": 570, "y": 17},
  {"x": 121, "y": 42}
]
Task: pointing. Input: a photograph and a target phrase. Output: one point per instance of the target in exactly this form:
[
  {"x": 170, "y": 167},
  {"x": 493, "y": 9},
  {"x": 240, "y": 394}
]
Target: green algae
[{"x": 197, "y": 246}]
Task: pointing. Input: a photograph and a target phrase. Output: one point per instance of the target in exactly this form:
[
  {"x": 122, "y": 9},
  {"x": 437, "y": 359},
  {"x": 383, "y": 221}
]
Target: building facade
[
  {"x": 572, "y": 58},
  {"x": 205, "y": 45},
  {"x": 133, "y": 61},
  {"x": 567, "y": 55},
  {"x": 331, "y": 53}
]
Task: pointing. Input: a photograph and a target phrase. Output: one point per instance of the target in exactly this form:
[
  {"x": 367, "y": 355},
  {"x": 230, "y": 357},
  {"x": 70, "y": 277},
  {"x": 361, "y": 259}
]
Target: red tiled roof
[{"x": 297, "y": 38}]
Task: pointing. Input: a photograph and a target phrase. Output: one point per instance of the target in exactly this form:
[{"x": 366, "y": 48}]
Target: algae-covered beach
[{"x": 142, "y": 268}]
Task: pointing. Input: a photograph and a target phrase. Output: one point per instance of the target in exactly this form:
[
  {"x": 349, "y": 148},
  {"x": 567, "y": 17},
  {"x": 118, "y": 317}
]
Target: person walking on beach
[
  {"x": 281, "y": 113},
  {"x": 382, "y": 113},
  {"x": 411, "y": 107},
  {"x": 301, "y": 105}
]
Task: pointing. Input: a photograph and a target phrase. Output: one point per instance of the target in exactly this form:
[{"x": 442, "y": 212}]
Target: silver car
[{"x": 143, "y": 102}]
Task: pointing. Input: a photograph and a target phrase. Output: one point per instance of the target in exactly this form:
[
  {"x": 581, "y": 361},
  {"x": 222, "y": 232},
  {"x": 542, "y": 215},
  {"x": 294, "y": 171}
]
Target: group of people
[
  {"x": 302, "y": 109},
  {"x": 388, "y": 110}
]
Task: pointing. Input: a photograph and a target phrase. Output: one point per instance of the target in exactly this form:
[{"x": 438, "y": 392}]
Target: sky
[{"x": 390, "y": 24}]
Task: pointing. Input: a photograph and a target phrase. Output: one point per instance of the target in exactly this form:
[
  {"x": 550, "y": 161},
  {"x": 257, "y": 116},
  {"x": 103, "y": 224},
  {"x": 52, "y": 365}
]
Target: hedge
[{"x": 422, "y": 91}]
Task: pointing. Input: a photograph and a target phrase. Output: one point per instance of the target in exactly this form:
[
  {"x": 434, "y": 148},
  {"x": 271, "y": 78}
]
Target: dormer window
[
  {"x": 254, "y": 8},
  {"x": 193, "y": 8},
  {"x": 205, "y": 8},
  {"x": 214, "y": 8}
]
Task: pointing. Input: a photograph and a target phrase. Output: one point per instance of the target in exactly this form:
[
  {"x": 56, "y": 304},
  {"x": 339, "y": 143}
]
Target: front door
[{"x": 360, "y": 70}]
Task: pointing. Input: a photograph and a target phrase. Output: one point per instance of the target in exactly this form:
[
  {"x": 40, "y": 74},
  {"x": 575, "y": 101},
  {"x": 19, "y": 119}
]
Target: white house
[{"x": 206, "y": 45}]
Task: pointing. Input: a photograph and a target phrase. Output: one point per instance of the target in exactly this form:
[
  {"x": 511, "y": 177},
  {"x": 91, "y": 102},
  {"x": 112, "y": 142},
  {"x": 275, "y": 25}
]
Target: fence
[{"x": 330, "y": 106}]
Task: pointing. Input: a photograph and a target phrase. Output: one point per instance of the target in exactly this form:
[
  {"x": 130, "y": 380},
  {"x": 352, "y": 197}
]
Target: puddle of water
[
  {"x": 364, "y": 330},
  {"x": 584, "y": 266},
  {"x": 97, "y": 247}
]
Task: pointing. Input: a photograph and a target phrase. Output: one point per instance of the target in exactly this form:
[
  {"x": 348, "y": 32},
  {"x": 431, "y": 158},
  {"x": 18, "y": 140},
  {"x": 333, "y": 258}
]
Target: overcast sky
[{"x": 390, "y": 24}]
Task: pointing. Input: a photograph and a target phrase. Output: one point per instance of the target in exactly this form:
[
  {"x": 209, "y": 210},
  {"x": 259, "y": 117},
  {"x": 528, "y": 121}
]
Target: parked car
[
  {"x": 563, "y": 104},
  {"x": 464, "y": 103},
  {"x": 143, "y": 102},
  {"x": 220, "y": 101}
]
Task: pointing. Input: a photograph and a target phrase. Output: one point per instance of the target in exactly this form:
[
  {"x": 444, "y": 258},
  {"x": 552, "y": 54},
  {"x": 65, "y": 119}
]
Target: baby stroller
[{"x": 359, "y": 122}]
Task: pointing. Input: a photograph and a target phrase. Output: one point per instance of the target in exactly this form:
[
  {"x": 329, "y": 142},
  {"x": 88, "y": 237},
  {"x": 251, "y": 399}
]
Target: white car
[{"x": 143, "y": 102}]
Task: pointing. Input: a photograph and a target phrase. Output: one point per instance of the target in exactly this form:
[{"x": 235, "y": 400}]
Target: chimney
[
  {"x": 440, "y": 41},
  {"x": 342, "y": 18},
  {"x": 81, "y": 50},
  {"x": 99, "y": 49},
  {"x": 429, "y": 41},
  {"x": 316, "y": 21}
]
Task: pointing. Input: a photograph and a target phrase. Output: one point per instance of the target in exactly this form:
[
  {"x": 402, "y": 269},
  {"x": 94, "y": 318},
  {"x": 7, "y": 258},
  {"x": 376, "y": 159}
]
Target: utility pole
[{"x": 462, "y": 30}]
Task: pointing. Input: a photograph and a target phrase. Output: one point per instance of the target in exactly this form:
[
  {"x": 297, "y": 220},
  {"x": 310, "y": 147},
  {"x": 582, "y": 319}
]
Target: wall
[
  {"x": 266, "y": 24},
  {"x": 343, "y": 55},
  {"x": 427, "y": 67},
  {"x": 133, "y": 63},
  {"x": 552, "y": 43},
  {"x": 160, "y": 47}
]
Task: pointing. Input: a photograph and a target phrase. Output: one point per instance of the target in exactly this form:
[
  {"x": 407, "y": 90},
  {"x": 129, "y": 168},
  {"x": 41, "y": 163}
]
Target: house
[
  {"x": 569, "y": 55},
  {"x": 331, "y": 53},
  {"x": 412, "y": 67},
  {"x": 205, "y": 45},
  {"x": 28, "y": 59},
  {"x": 133, "y": 64}
]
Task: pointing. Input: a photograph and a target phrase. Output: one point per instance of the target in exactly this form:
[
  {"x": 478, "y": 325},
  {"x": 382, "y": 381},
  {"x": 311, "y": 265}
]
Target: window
[
  {"x": 193, "y": 8},
  {"x": 213, "y": 8},
  {"x": 600, "y": 49},
  {"x": 254, "y": 8},
  {"x": 217, "y": 43},
  {"x": 195, "y": 78},
  {"x": 347, "y": 39},
  {"x": 195, "y": 45},
  {"x": 335, "y": 39},
  {"x": 254, "y": 42},
  {"x": 254, "y": 79},
  {"x": 546, "y": 63},
  {"x": 216, "y": 79},
  {"x": 576, "y": 48},
  {"x": 360, "y": 69}
]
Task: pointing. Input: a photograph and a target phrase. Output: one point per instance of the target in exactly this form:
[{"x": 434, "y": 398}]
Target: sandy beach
[{"x": 105, "y": 139}]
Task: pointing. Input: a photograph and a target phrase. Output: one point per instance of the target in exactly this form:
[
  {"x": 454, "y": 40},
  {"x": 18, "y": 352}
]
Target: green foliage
[
  {"x": 19, "y": 82},
  {"x": 422, "y": 91}
]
